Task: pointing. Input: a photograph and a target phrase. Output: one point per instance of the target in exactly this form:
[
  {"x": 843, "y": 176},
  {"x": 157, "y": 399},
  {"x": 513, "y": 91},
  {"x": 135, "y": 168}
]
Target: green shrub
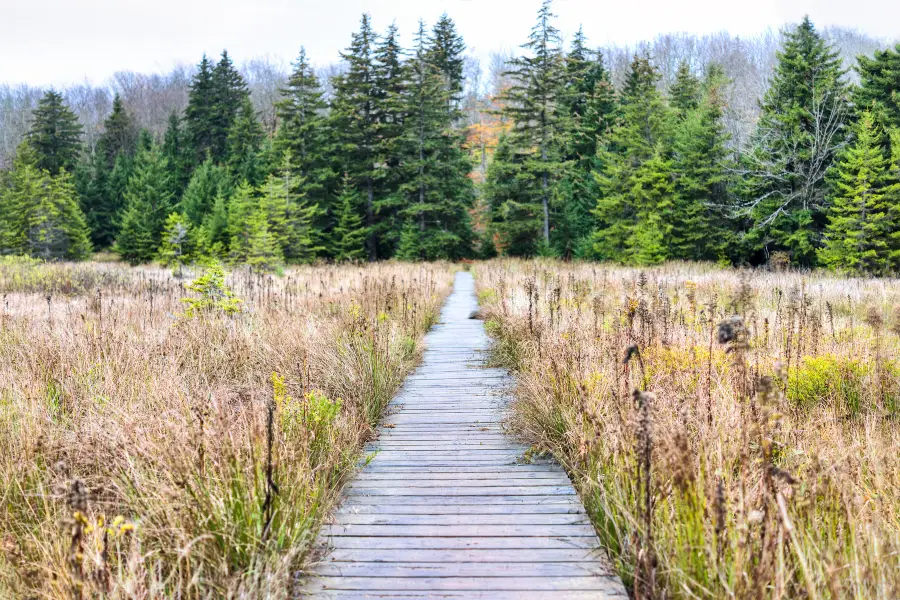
[{"x": 830, "y": 379}]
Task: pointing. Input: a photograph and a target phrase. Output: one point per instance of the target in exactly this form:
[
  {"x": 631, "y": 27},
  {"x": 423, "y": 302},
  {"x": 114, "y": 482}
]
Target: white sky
[{"x": 55, "y": 42}]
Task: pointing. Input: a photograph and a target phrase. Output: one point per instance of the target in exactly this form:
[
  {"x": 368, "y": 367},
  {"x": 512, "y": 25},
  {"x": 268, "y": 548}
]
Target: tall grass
[
  {"x": 733, "y": 434},
  {"x": 152, "y": 448}
]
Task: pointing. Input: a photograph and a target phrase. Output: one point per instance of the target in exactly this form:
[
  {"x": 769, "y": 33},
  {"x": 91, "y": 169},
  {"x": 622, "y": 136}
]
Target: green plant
[{"x": 214, "y": 294}]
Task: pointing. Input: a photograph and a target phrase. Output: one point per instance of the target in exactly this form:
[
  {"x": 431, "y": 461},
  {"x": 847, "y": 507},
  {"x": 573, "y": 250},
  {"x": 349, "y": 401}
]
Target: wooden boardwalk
[{"x": 447, "y": 508}]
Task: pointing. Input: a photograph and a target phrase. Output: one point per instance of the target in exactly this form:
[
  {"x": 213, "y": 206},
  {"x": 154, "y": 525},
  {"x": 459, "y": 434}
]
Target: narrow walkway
[{"x": 447, "y": 508}]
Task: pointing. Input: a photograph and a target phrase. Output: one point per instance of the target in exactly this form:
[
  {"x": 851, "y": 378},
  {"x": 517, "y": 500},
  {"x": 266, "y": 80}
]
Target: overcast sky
[{"x": 55, "y": 42}]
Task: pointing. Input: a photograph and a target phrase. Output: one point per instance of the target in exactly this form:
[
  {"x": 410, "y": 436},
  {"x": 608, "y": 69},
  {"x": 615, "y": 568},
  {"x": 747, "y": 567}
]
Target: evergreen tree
[
  {"x": 879, "y": 80},
  {"x": 354, "y": 124},
  {"x": 120, "y": 134},
  {"x": 349, "y": 235},
  {"x": 242, "y": 207},
  {"x": 200, "y": 114},
  {"x": 148, "y": 199},
  {"x": 39, "y": 213},
  {"x": 861, "y": 219},
  {"x": 178, "y": 243},
  {"x": 589, "y": 105},
  {"x": 447, "y": 54},
  {"x": 55, "y": 134},
  {"x": 208, "y": 182},
  {"x": 700, "y": 220},
  {"x": 177, "y": 152},
  {"x": 390, "y": 107},
  {"x": 245, "y": 146},
  {"x": 410, "y": 247},
  {"x": 289, "y": 218},
  {"x": 632, "y": 170},
  {"x": 800, "y": 130},
  {"x": 214, "y": 231},
  {"x": 229, "y": 93},
  {"x": 302, "y": 134},
  {"x": 516, "y": 217},
  {"x": 538, "y": 132},
  {"x": 685, "y": 94},
  {"x": 263, "y": 251}
]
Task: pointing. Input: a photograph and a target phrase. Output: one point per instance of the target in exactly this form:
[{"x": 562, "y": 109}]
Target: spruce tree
[
  {"x": 799, "y": 132},
  {"x": 199, "y": 116},
  {"x": 390, "y": 113},
  {"x": 631, "y": 167},
  {"x": 120, "y": 134},
  {"x": 447, "y": 54},
  {"x": 701, "y": 214},
  {"x": 538, "y": 131},
  {"x": 349, "y": 235},
  {"x": 55, "y": 135},
  {"x": 354, "y": 124},
  {"x": 861, "y": 219},
  {"x": 685, "y": 93},
  {"x": 208, "y": 182},
  {"x": 290, "y": 219},
  {"x": 302, "y": 133},
  {"x": 148, "y": 199},
  {"x": 245, "y": 141},
  {"x": 229, "y": 93},
  {"x": 516, "y": 217},
  {"x": 263, "y": 252},
  {"x": 178, "y": 242},
  {"x": 879, "y": 82},
  {"x": 436, "y": 189},
  {"x": 242, "y": 207},
  {"x": 177, "y": 152},
  {"x": 41, "y": 213},
  {"x": 589, "y": 105}
]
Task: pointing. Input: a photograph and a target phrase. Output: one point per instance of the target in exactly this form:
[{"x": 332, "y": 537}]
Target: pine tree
[
  {"x": 214, "y": 231},
  {"x": 229, "y": 93},
  {"x": 538, "y": 132},
  {"x": 410, "y": 247},
  {"x": 177, "y": 152},
  {"x": 861, "y": 222},
  {"x": 701, "y": 215},
  {"x": 302, "y": 133},
  {"x": 199, "y": 116},
  {"x": 589, "y": 105},
  {"x": 120, "y": 134},
  {"x": 178, "y": 242},
  {"x": 289, "y": 218},
  {"x": 354, "y": 124},
  {"x": 349, "y": 235},
  {"x": 55, "y": 134},
  {"x": 390, "y": 107},
  {"x": 447, "y": 54},
  {"x": 208, "y": 182},
  {"x": 685, "y": 94},
  {"x": 436, "y": 189},
  {"x": 799, "y": 132},
  {"x": 879, "y": 80},
  {"x": 40, "y": 213},
  {"x": 516, "y": 217},
  {"x": 148, "y": 199},
  {"x": 100, "y": 191},
  {"x": 631, "y": 167},
  {"x": 263, "y": 251},
  {"x": 242, "y": 207},
  {"x": 245, "y": 146}
]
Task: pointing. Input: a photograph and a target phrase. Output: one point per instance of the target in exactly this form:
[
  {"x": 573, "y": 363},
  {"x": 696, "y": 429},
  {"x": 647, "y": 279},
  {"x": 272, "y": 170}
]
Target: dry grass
[
  {"x": 732, "y": 434},
  {"x": 147, "y": 454}
]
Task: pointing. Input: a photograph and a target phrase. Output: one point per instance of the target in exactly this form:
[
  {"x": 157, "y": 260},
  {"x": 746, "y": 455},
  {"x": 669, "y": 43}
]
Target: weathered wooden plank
[
  {"x": 457, "y": 499},
  {"x": 489, "y": 476},
  {"x": 468, "y": 594},
  {"x": 477, "y": 555},
  {"x": 465, "y": 519},
  {"x": 462, "y": 509},
  {"x": 505, "y": 483},
  {"x": 510, "y": 584},
  {"x": 495, "y": 569},
  {"x": 455, "y": 543},
  {"x": 458, "y": 531}
]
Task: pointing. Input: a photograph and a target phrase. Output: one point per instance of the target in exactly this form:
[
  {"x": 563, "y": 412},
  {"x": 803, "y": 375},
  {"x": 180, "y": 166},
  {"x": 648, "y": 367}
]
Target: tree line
[{"x": 382, "y": 166}]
